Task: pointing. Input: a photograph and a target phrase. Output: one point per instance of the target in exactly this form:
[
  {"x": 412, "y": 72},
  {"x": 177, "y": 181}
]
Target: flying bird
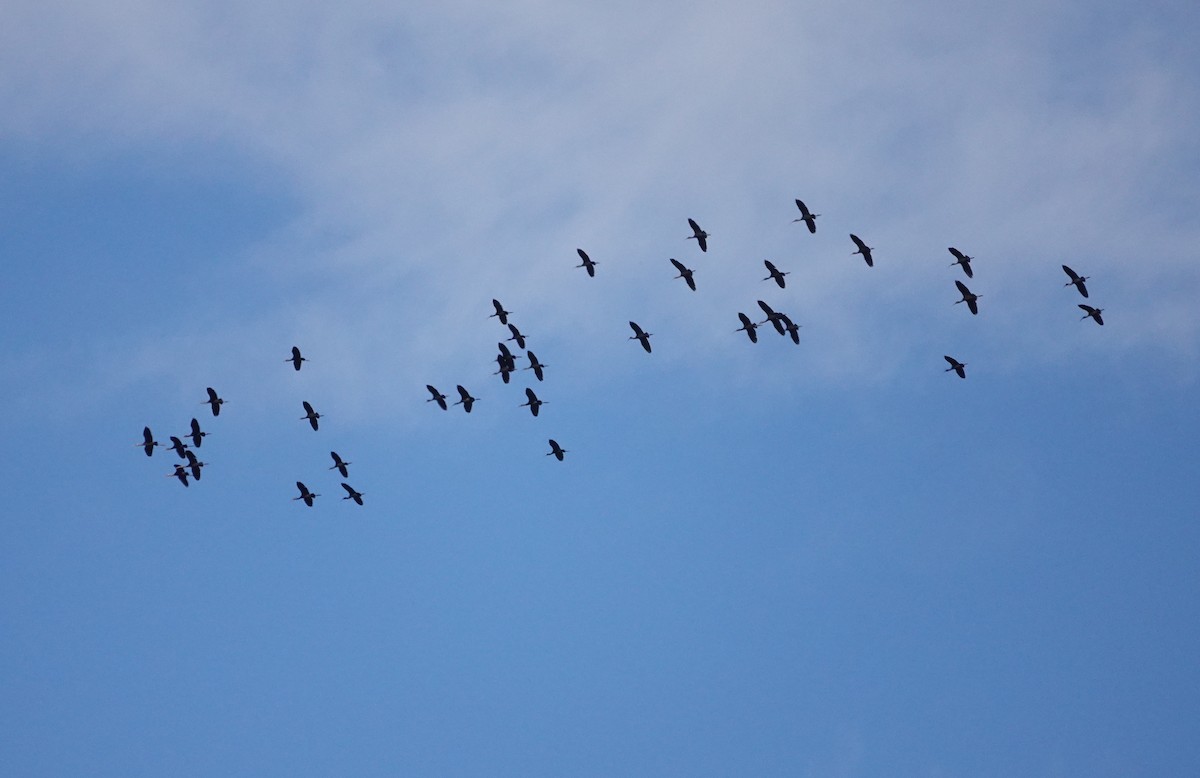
[
  {"x": 793, "y": 329},
  {"x": 178, "y": 447},
  {"x": 533, "y": 402},
  {"x": 863, "y": 249},
  {"x": 351, "y": 494},
  {"x": 148, "y": 442},
  {"x": 305, "y": 495},
  {"x": 698, "y": 235},
  {"x": 748, "y": 327},
  {"x": 194, "y": 465},
  {"x": 956, "y": 366},
  {"x": 640, "y": 336},
  {"x": 773, "y": 316},
  {"x": 197, "y": 435},
  {"x": 500, "y": 312},
  {"x": 181, "y": 473},
  {"x": 587, "y": 263},
  {"x": 214, "y": 401},
  {"x": 685, "y": 274},
  {"x": 534, "y": 365},
  {"x": 467, "y": 400},
  {"x": 967, "y": 297},
  {"x": 340, "y": 465},
  {"x": 517, "y": 336},
  {"x": 1076, "y": 280},
  {"x": 437, "y": 397},
  {"x": 962, "y": 259},
  {"x": 311, "y": 415},
  {"x": 809, "y": 219},
  {"x": 296, "y": 359},
  {"x": 1091, "y": 312},
  {"x": 506, "y": 366},
  {"x": 775, "y": 273},
  {"x": 556, "y": 450}
]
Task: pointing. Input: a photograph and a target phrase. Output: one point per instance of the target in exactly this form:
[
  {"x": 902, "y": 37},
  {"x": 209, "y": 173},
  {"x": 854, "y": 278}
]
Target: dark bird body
[
  {"x": 500, "y": 313},
  {"x": 698, "y": 235},
  {"x": 340, "y": 465},
  {"x": 437, "y": 397},
  {"x": 214, "y": 401},
  {"x": 956, "y": 366},
  {"x": 197, "y": 435},
  {"x": 793, "y": 329},
  {"x": 967, "y": 297},
  {"x": 148, "y": 442},
  {"x": 305, "y": 495},
  {"x": 640, "y": 336},
  {"x": 809, "y": 219},
  {"x": 517, "y": 336},
  {"x": 178, "y": 447},
  {"x": 556, "y": 450},
  {"x": 194, "y": 465},
  {"x": 863, "y": 249},
  {"x": 534, "y": 365},
  {"x": 748, "y": 327},
  {"x": 963, "y": 260},
  {"x": 587, "y": 263},
  {"x": 684, "y": 273},
  {"x": 773, "y": 316},
  {"x": 296, "y": 359},
  {"x": 1076, "y": 280},
  {"x": 311, "y": 415},
  {"x": 533, "y": 403},
  {"x": 181, "y": 473},
  {"x": 351, "y": 494},
  {"x": 1090, "y": 312},
  {"x": 467, "y": 400},
  {"x": 776, "y": 275}
]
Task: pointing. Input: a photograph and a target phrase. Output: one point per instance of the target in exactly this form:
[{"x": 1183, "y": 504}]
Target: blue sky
[{"x": 831, "y": 559}]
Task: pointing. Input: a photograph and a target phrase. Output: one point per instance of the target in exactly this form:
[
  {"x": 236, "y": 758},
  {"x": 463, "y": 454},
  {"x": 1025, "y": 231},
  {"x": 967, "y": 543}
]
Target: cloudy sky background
[{"x": 831, "y": 559}]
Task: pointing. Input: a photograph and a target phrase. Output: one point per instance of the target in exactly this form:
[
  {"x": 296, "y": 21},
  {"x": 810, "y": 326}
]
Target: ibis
[
  {"x": 305, "y": 495},
  {"x": 500, "y": 313},
  {"x": 809, "y": 219},
  {"x": 748, "y": 327},
  {"x": 311, "y": 415},
  {"x": 967, "y": 297},
  {"x": 1093, "y": 313},
  {"x": 340, "y": 464},
  {"x": 533, "y": 402},
  {"x": 467, "y": 400},
  {"x": 962, "y": 259},
  {"x": 534, "y": 365},
  {"x": 214, "y": 401},
  {"x": 197, "y": 435},
  {"x": 775, "y": 273},
  {"x": 351, "y": 494},
  {"x": 698, "y": 235},
  {"x": 437, "y": 397},
  {"x": 556, "y": 450},
  {"x": 956, "y": 366},
  {"x": 863, "y": 249},
  {"x": 148, "y": 442},
  {"x": 587, "y": 263},
  {"x": 1076, "y": 280},
  {"x": 684, "y": 273},
  {"x": 296, "y": 359},
  {"x": 640, "y": 336}
]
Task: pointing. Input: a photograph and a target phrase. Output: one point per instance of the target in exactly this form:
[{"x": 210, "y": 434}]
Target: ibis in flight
[
  {"x": 863, "y": 249},
  {"x": 534, "y": 365},
  {"x": 773, "y": 316},
  {"x": 178, "y": 447},
  {"x": 809, "y": 219},
  {"x": 533, "y": 402},
  {"x": 748, "y": 327},
  {"x": 1093, "y": 313},
  {"x": 775, "y": 273},
  {"x": 698, "y": 235},
  {"x": 197, "y": 435},
  {"x": 556, "y": 450},
  {"x": 181, "y": 473},
  {"x": 517, "y": 336},
  {"x": 967, "y": 297},
  {"x": 640, "y": 336},
  {"x": 956, "y": 366},
  {"x": 305, "y": 495},
  {"x": 684, "y": 273},
  {"x": 1076, "y": 280},
  {"x": 311, "y": 415},
  {"x": 214, "y": 401},
  {"x": 962, "y": 259},
  {"x": 467, "y": 400},
  {"x": 793, "y": 329},
  {"x": 351, "y": 494},
  {"x": 587, "y": 263},
  {"x": 194, "y": 465},
  {"x": 296, "y": 359},
  {"x": 148, "y": 442},
  {"x": 340, "y": 465},
  {"x": 500, "y": 313},
  {"x": 437, "y": 397}
]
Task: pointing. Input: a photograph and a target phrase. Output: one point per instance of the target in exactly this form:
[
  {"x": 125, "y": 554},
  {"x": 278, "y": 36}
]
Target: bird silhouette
[
  {"x": 773, "y": 316},
  {"x": 748, "y": 327},
  {"x": 533, "y": 403},
  {"x": 296, "y": 359},
  {"x": 534, "y": 365},
  {"x": 197, "y": 435},
  {"x": 194, "y": 465},
  {"x": 698, "y": 235},
  {"x": 640, "y": 336},
  {"x": 863, "y": 249},
  {"x": 809, "y": 219},
  {"x": 775, "y": 273},
  {"x": 178, "y": 447},
  {"x": 506, "y": 367},
  {"x": 351, "y": 494},
  {"x": 1090, "y": 312},
  {"x": 148, "y": 442},
  {"x": 181, "y": 473},
  {"x": 517, "y": 336},
  {"x": 305, "y": 495},
  {"x": 793, "y": 329},
  {"x": 1076, "y": 280},
  {"x": 437, "y": 397},
  {"x": 340, "y": 465},
  {"x": 685, "y": 274},
  {"x": 467, "y": 400},
  {"x": 556, "y": 450},
  {"x": 967, "y": 297},
  {"x": 956, "y": 366},
  {"x": 311, "y": 415},
  {"x": 963, "y": 260},
  {"x": 500, "y": 313},
  {"x": 587, "y": 263},
  {"x": 214, "y": 401}
]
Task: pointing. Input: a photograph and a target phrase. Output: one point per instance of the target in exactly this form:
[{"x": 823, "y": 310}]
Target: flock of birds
[{"x": 191, "y": 467}]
